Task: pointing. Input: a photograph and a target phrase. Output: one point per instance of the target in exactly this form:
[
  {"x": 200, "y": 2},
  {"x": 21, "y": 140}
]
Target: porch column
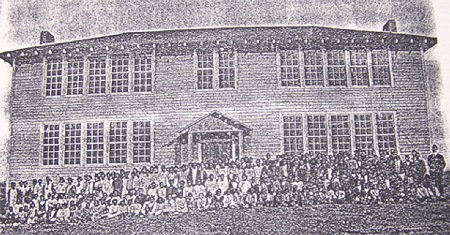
[
  {"x": 233, "y": 150},
  {"x": 241, "y": 144},
  {"x": 199, "y": 152},
  {"x": 189, "y": 143}
]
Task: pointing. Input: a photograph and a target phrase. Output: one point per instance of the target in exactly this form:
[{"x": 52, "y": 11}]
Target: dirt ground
[{"x": 431, "y": 218}]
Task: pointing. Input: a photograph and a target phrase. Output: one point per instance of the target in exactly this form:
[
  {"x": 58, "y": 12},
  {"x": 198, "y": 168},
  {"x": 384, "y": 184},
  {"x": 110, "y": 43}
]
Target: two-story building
[{"x": 192, "y": 95}]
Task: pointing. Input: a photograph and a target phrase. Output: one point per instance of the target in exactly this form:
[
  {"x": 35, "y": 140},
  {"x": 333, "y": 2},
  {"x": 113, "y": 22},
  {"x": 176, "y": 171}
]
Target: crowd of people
[{"x": 279, "y": 181}]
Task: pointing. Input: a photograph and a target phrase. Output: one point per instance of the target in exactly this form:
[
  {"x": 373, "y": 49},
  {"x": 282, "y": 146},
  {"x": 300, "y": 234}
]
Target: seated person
[
  {"x": 181, "y": 204},
  {"x": 159, "y": 207},
  {"x": 171, "y": 204},
  {"x": 113, "y": 209},
  {"x": 148, "y": 205},
  {"x": 202, "y": 202},
  {"x": 22, "y": 214},
  {"x": 32, "y": 214}
]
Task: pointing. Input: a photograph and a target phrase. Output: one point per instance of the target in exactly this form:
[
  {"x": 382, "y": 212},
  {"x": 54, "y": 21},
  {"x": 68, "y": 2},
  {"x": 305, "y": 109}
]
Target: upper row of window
[
  {"x": 217, "y": 69},
  {"x": 335, "y": 68}
]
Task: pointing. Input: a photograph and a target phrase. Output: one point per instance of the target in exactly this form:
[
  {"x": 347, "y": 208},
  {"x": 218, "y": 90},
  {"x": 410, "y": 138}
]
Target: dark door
[{"x": 216, "y": 150}]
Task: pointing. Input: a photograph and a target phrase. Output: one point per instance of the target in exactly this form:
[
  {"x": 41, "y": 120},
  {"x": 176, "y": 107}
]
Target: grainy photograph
[{"x": 224, "y": 117}]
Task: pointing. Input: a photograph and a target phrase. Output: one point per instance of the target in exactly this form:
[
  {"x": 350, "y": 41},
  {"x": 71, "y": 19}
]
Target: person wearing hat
[{"x": 436, "y": 162}]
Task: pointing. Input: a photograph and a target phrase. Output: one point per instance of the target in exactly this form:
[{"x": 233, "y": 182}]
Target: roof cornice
[{"x": 243, "y": 39}]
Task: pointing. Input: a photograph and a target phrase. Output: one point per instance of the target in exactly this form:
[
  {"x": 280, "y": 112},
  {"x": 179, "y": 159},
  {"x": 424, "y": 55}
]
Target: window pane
[
  {"x": 119, "y": 74},
  {"x": 386, "y": 132},
  {"x": 292, "y": 129},
  {"x": 337, "y": 76},
  {"x": 313, "y": 68},
  {"x": 97, "y": 76},
  {"x": 75, "y": 77},
  {"x": 118, "y": 142},
  {"x": 53, "y": 86},
  {"x": 290, "y": 75},
  {"x": 226, "y": 70},
  {"x": 363, "y": 132},
  {"x": 380, "y": 66},
  {"x": 72, "y": 144},
  {"x": 51, "y": 145},
  {"x": 317, "y": 136},
  {"x": 141, "y": 141},
  {"x": 358, "y": 68},
  {"x": 205, "y": 69},
  {"x": 143, "y": 75},
  {"x": 95, "y": 145},
  {"x": 340, "y": 133}
]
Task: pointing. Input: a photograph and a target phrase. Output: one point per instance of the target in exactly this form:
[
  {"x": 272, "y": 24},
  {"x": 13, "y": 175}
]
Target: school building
[{"x": 192, "y": 95}]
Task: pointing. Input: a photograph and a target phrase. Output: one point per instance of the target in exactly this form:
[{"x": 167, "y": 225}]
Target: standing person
[
  {"x": 12, "y": 196},
  {"x": 436, "y": 163}
]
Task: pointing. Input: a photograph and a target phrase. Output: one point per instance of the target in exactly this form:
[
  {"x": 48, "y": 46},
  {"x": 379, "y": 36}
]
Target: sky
[
  {"x": 21, "y": 22},
  {"x": 75, "y": 19}
]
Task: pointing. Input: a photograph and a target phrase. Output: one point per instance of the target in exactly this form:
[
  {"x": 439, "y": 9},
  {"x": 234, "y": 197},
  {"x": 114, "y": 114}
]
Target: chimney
[
  {"x": 47, "y": 37},
  {"x": 390, "y": 26}
]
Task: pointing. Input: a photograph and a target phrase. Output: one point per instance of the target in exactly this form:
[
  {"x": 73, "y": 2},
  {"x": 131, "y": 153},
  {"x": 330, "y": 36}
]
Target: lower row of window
[
  {"x": 94, "y": 142},
  {"x": 346, "y": 132}
]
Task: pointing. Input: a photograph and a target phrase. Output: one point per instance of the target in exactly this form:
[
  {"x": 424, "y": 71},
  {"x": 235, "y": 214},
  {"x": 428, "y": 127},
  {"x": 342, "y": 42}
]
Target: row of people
[{"x": 285, "y": 181}]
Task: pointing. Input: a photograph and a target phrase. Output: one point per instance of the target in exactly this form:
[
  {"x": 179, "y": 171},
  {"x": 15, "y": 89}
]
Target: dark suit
[{"x": 437, "y": 166}]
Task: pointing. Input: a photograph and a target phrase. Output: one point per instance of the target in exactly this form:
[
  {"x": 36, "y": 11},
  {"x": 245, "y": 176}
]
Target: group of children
[{"x": 287, "y": 180}]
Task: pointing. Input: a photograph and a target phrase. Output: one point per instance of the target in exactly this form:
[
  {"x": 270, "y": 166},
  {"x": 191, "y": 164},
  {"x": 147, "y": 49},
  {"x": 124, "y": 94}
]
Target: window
[
  {"x": 95, "y": 143},
  {"x": 290, "y": 75},
  {"x": 380, "y": 66},
  {"x": 51, "y": 145},
  {"x": 317, "y": 134},
  {"x": 363, "y": 132},
  {"x": 205, "y": 68},
  {"x": 142, "y": 141},
  {"x": 386, "y": 132},
  {"x": 358, "y": 68},
  {"x": 340, "y": 133},
  {"x": 75, "y": 77},
  {"x": 118, "y": 142},
  {"x": 226, "y": 70},
  {"x": 313, "y": 68},
  {"x": 97, "y": 76},
  {"x": 293, "y": 136},
  {"x": 337, "y": 76},
  {"x": 53, "y": 84},
  {"x": 143, "y": 74},
  {"x": 72, "y": 144},
  {"x": 119, "y": 74}
]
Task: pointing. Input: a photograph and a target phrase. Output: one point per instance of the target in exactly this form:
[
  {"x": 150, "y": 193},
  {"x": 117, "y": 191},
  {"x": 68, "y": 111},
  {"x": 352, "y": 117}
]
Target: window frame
[
  {"x": 328, "y": 128},
  {"x": 322, "y": 66},
  {"x": 152, "y": 147},
  {"x": 215, "y": 85},
  {"x": 42, "y": 145},
  {"x": 332, "y": 136},
  {"x": 395, "y": 131},
  {"x": 283, "y": 136},
  {"x": 110, "y": 74},
  {"x": 327, "y": 134},
  {"x": 106, "y": 144},
  {"x": 64, "y": 139},
  {"x": 388, "y": 65},
  {"x": 105, "y": 60},
  {"x": 139, "y": 56},
  {"x": 367, "y": 66},
  {"x": 60, "y": 60},
  {"x": 299, "y": 67},
  {"x": 76, "y": 59},
  {"x": 328, "y": 67},
  {"x": 372, "y": 129}
]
